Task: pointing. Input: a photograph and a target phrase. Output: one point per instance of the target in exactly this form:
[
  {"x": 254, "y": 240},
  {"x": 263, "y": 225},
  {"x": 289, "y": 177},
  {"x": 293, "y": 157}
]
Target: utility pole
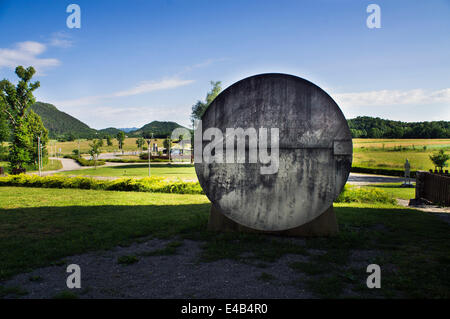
[
  {"x": 148, "y": 150},
  {"x": 149, "y": 141},
  {"x": 39, "y": 154},
  {"x": 170, "y": 142},
  {"x": 192, "y": 142}
]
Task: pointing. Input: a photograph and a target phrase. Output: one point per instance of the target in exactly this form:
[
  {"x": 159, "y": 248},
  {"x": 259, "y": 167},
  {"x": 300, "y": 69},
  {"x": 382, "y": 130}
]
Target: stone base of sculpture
[{"x": 323, "y": 225}]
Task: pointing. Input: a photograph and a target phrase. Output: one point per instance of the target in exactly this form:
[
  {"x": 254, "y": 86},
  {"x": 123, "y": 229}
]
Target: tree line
[{"x": 375, "y": 127}]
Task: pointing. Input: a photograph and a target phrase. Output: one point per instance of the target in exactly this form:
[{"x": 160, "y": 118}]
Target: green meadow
[
  {"x": 42, "y": 226},
  {"x": 169, "y": 171},
  {"x": 392, "y": 153}
]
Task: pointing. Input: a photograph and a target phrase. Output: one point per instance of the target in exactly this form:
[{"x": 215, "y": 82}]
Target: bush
[
  {"x": 147, "y": 184},
  {"x": 354, "y": 194},
  {"x": 154, "y": 158}
]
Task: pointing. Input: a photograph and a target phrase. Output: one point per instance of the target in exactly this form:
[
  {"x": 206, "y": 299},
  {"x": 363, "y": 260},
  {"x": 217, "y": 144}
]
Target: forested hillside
[
  {"x": 371, "y": 127},
  {"x": 61, "y": 124}
]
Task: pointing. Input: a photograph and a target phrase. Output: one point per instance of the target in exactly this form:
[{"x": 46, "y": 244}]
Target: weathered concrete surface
[
  {"x": 323, "y": 225},
  {"x": 314, "y": 158}
]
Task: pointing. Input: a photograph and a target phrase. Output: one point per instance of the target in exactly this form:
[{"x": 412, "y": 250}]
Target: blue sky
[{"x": 136, "y": 61}]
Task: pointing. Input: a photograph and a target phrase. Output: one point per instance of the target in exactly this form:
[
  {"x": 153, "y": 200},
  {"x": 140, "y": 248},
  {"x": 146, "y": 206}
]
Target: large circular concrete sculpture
[{"x": 315, "y": 153}]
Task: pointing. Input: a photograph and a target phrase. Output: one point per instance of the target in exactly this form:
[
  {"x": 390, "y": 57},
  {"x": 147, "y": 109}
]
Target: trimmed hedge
[
  {"x": 146, "y": 184},
  {"x": 163, "y": 158},
  {"x": 381, "y": 171},
  {"x": 84, "y": 162},
  {"x": 126, "y": 160}
]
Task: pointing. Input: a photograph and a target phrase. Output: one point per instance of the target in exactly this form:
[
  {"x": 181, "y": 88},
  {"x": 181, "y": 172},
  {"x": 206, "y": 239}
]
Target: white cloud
[
  {"x": 202, "y": 64},
  {"x": 26, "y": 54},
  {"x": 147, "y": 86},
  {"x": 119, "y": 116},
  {"x": 143, "y": 87},
  {"x": 61, "y": 40},
  {"x": 393, "y": 97}
]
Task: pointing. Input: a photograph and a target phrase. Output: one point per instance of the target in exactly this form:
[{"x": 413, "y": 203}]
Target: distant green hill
[
  {"x": 158, "y": 128},
  {"x": 111, "y": 131},
  {"x": 61, "y": 124}
]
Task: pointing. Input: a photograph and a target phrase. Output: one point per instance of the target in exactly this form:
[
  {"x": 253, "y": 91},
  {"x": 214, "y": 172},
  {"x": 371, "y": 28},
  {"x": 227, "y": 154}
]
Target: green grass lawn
[
  {"x": 395, "y": 190},
  {"x": 51, "y": 165},
  {"x": 41, "y": 226},
  {"x": 379, "y": 153},
  {"x": 184, "y": 171},
  {"x": 378, "y": 159},
  {"x": 67, "y": 147}
]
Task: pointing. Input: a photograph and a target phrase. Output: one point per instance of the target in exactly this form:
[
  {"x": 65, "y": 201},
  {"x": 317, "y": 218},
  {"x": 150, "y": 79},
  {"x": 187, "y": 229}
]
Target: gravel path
[{"x": 173, "y": 276}]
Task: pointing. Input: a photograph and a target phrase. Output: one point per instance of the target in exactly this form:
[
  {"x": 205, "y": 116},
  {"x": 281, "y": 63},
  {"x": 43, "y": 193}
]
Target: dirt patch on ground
[{"x": 172, "y": 276}]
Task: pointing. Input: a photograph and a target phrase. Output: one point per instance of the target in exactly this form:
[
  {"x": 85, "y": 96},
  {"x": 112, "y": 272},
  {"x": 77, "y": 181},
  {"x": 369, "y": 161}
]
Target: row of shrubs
[
  {"x": 147, "y": 184},
  {"x": 381, "y": 171},
  {"x": 144, "y": 156},
  {"x": 84, "y": 162},
  {"x": 355, "y": 194},
  {"x": 128, "y": 160}
]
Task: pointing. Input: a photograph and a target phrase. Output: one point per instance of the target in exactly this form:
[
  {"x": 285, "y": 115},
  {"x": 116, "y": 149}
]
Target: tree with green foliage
[
  {"x": 70, "y": 137},
  {"x": 166, "y": 143},
  {"x": 120, "y": 138},
  {"x": 375, "y": 127},
  {"x": 108, "y": 140},
  {"x": 95, "y": 150},
  {"x": 37, "y": 129},
  {"x": 4, "y": 134},
  {"x": 140, "y": 143},
  {"x": 4, "y": 126},
  {"x": 16, "y": 100},
  {"x": 439, "y": 159},
  {"x": 200, "y": 107}
]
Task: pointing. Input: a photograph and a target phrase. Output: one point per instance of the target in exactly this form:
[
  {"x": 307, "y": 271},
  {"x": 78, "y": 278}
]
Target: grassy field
[
  {"x": 392, "y": 153},
  {"x": 184, "y": 171},
  {"x": 39, "y": 227},
  {"x": 395, "y": 190},
  {"x": 68, "y": 147},
  {"x": 376, "y": 153},
  {"x": 50, "y": 166}
]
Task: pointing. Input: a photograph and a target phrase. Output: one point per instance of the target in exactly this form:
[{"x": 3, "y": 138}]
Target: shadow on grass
[
  {"x": 35, "y": 237},
  {"x": 413, "y": 244},
  {"x": 155, "y": 165},
  {"x": 394, "y": 185}
]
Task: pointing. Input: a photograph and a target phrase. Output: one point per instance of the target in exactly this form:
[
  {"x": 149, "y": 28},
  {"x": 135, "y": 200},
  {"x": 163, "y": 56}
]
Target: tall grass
[{"x": 357, "y": 194}]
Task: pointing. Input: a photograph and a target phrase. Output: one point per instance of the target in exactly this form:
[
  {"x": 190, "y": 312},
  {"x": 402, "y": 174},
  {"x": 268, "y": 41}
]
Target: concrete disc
[{"x": 315, "y": 152}]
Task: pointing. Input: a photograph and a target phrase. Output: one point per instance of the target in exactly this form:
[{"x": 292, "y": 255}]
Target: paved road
[
  {"x": 361, "y": 179},
  {"x": 72, "y": 165},
  {"x": 355, "y": 178}
]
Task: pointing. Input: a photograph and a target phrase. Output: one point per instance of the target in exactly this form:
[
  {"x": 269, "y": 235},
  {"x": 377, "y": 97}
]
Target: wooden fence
[{"x": 433, "y": 187}]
